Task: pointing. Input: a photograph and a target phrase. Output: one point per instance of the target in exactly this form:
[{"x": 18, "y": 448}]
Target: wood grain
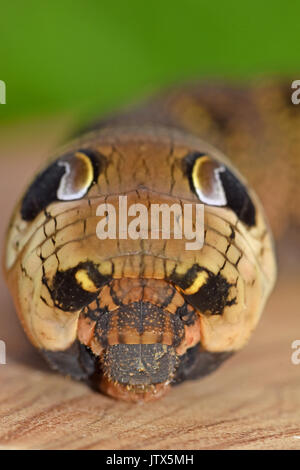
[{"x": 252, "y": 402}]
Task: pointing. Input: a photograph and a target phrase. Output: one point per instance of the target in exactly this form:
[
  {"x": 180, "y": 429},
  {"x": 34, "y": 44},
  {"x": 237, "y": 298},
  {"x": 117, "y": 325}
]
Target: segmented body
[{"x": 135, "y": 316}]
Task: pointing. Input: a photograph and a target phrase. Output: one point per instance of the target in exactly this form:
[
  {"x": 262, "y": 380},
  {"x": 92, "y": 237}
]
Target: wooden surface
[{"x": 252, "y": 402}]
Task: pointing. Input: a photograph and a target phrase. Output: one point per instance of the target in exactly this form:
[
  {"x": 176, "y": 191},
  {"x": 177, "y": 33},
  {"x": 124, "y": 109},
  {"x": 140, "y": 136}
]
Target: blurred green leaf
[{"x": 89, "y": 55}]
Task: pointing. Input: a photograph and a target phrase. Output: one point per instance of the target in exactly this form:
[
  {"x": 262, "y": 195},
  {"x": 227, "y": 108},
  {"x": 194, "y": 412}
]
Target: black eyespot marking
[
  {"x": 185, "y": 280},
  {"x": 216, "y": 185},
  {"x": 43, "y": 191},
  {"x": 212, "y": 297},
  {"x": 68, "y": 294},
  {"x": 238, "y": 198}
]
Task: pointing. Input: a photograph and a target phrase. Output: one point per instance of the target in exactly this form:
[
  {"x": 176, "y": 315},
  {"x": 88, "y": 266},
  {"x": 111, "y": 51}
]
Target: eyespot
[
  {"x": 76, "y": 287},
  {"x": 68, "y": 178},
  {"x": 212, "y": 297},
  {"x": 207, "y": 181},
  {"x": 77, "y": 178},
  {"x": 216, "y": 185},
  {"x": 205, "y": 291}
]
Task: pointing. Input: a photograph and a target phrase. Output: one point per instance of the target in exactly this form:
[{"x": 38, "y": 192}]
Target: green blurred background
[{"x": 83, "y": 56}]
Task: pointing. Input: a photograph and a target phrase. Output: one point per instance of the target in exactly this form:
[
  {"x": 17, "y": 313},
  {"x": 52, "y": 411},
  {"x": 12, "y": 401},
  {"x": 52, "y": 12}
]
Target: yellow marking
[
  {"x": 84, "y": 280},
  {"x": 198, "y": 282},
  {"x": 82, "y": 156},
  {"x": 88, "y": 168},
  {"x": 196, "y": 171}
]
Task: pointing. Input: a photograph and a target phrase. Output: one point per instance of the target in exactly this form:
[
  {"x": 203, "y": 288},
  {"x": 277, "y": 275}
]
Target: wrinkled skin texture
[{"x": 133, "y": 317}]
